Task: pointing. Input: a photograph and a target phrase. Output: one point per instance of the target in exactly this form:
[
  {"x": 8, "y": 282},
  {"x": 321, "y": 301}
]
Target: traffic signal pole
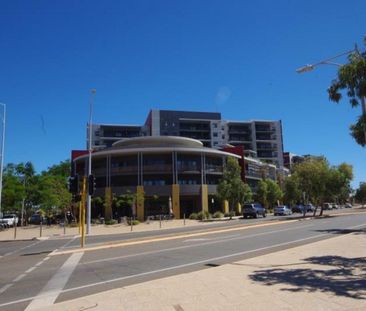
[{"x": 82, "y": 218}]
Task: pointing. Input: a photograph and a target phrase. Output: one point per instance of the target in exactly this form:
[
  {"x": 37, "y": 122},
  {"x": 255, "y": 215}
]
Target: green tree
[
  {"x": 125, "y": 201},
  {"x": 292, "y": 193},
  {"x": 361, "y": 194},
  {"x": 262, "y": 193},
  {"x": 274, "y": 192},
  {"x": 352, "y": 79},
  {"x": 231, "y": 187}
]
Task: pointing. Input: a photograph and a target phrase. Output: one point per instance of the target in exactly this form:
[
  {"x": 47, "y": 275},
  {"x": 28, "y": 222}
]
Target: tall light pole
[
  {"x": 2, "y": 154},
  {"x": 88, "y": 219},
  {"x": 329, "y": 61}
]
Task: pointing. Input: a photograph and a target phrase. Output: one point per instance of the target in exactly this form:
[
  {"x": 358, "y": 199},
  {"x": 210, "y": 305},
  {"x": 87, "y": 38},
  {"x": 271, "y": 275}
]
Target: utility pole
[
  {"x": 2, "y": 155},
  {"x": 88, "y": 221}
]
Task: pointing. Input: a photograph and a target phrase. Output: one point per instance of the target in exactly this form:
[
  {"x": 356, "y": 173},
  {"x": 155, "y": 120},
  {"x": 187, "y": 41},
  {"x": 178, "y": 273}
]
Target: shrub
[
  {"x": 193, "y": 216},
  {"x": 111, "y": 222},
  {"x": 134, "y": 222},
  {"x": 204, "y": 215},
  {"x": 218, "y": 214},
  {"x": 230, "y": 214}
]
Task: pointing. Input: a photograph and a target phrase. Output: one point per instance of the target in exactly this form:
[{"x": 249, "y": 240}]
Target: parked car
[
  {"x": 298, "y": 208},
  {"x": 10, "y": 219},
  {"x": 282, "y": 210},
  {"x": 335, "y": 206},
  {"x": 310, "y": 208},
  {"x": 327, "y": 206},
  {"x": 348, "y": 205},
  {"x": 253, "y": 210},
  {"x": 35, "y": 219}
]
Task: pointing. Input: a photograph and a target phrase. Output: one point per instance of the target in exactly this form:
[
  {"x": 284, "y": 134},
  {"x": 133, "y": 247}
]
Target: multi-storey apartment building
[{"x": 261, "y": 138}]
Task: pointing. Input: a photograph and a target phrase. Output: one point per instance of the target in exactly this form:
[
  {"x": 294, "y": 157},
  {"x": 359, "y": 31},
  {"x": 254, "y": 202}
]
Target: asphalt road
[{"x": 34, "y": 274}]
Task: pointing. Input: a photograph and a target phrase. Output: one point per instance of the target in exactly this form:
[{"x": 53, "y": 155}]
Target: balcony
[
  {"x": 253, "y": 174},
  {"x": 157, "y": 168},
  {"x": 214, "y": 168},
  {"x": 124, "y": 170}
]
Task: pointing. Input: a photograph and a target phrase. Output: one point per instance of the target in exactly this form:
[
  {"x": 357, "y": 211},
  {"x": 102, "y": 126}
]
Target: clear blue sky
[{"x": 237, "y": 57}]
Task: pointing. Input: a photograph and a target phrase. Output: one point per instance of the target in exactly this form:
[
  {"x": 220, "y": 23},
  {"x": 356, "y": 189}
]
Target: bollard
[
  {"x": 184, "y": 219},
  {"x": 15, "y": 230},
  {"x": 160, "y": 221},
  {"x": 40, "y": 228}
]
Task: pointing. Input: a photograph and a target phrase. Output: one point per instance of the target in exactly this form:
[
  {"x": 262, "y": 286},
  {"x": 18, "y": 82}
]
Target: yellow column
[
  {"x": 225, "y": 206},
  {"x": 140, "y": 203},
  {"x": 176, "y": 201},
  {"x": 204, "y": 197},
  {"x": 238, "y": 209},
  {"x": 108, "y": 204}
]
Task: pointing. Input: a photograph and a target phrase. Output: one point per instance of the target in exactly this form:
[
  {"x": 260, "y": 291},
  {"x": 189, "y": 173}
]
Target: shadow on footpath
[
  {"x": 343, "y": 231},
  {"x": 346, "y": 278}
]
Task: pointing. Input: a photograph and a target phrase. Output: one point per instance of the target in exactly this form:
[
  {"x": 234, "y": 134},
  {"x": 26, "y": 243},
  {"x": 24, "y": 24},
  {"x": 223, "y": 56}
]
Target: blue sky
[{"x": 235, "y": 57}]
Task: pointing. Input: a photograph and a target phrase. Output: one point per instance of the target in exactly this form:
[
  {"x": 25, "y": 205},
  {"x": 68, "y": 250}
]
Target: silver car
[{"x": 282, "y": 210}]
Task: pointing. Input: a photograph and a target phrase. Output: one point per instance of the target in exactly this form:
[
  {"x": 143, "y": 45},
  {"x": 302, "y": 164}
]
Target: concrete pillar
[
  {"x": 204, "y": 198},
  {"x": 108, "y": 203},
  {"x": 225, "y": 207},
  {"x": 176, "y": 201},
  {"x": 140, "y": 203},
  {"x": 238, "y": 209}
]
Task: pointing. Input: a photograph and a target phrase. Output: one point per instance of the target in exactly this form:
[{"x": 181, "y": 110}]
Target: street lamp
[
  {"x": 329, "y": 61},
  {"x": 88, "y": 219},
  {"x": 2, "y": 154}
]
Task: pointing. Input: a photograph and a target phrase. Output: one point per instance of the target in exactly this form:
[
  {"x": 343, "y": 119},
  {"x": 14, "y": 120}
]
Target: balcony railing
[{"x": 157, "y": 168}]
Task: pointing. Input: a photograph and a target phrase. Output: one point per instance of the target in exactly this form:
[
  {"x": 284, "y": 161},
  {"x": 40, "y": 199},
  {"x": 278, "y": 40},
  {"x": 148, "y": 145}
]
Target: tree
[
  {"x": 352, "y": 79},
  {"x": 262, "y": 193},
  {"x": 361, "y": 194},
  {"x": 125, "y": 202},
  {"x": 274, "y": 192},
  {"x": 292, "y": 193},
  {"x": 231, "y": 187}
]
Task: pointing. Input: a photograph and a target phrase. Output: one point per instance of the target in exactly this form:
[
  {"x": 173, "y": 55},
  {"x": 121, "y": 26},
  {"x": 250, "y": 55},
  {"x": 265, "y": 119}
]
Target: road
[{"x": 40, "y": 273}]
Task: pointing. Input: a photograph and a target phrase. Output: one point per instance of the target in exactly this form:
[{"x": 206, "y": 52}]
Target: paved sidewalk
[
  {"x": 33, "y": 232},
  {"x": 326, "y": 275}
]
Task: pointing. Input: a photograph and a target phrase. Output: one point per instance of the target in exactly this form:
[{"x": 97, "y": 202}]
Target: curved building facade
[{"x": 175, "y": 174}]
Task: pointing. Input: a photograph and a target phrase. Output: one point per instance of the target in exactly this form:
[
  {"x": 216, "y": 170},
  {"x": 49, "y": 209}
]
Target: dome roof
[{"x": 157, "y": 141}]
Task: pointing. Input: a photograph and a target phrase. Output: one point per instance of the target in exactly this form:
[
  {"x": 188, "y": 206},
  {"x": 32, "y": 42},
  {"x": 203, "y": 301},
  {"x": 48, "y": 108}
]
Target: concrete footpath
[
  {"x": 326, "y": 275},
  {"x": 56, "y": 231}
]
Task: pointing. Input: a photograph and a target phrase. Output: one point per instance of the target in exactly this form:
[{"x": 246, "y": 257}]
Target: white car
[
  {"x": 10, "y": 219},
  {"x": 282, "y": 210}
]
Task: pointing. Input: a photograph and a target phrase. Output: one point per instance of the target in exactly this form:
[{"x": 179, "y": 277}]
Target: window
[{"x": 215, "y": 134}]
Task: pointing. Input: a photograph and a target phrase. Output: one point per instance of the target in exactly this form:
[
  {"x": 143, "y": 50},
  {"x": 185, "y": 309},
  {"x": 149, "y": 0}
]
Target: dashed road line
[
  {"x": 215, "y": 241},
  {"x": 5, "y": 287},
  {"x": 19, "y": 277},
  {"x": 22, "y": 248},
  {"x": 166, "y": 238},
  {"x": 55, "y": 285}
]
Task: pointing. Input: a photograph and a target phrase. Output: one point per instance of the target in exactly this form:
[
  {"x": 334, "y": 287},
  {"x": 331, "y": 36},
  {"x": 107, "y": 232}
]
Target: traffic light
[
  {"x": 74, "y": 184},
  {"x": 91, "y": 184}
]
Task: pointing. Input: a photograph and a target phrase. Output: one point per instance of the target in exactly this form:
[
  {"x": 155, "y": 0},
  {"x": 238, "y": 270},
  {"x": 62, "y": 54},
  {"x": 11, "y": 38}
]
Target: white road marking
[
  {"x": 19, "y": 278},
  {"x": 215, "y": 241},
  {"x": 30, "y": 269},
  {"x": 54, "y": 287},
  {"x": 175, "y": 267},
  {"x": 195, "y": 240},
  {"x": 22, "y": 248},
  {"x": 5, "y": 287}
]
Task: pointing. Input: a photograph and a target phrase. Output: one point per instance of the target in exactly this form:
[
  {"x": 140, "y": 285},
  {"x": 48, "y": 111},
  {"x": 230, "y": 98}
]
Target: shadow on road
[
  {"x": 343, "y": 276},
  {"x": 343, "y": 231}
]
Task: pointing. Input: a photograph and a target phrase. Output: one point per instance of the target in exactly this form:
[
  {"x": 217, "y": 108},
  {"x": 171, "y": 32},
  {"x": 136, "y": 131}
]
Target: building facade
[
  {"x": 174, "y": 173},
  {"x": 261, "y": 139}
]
